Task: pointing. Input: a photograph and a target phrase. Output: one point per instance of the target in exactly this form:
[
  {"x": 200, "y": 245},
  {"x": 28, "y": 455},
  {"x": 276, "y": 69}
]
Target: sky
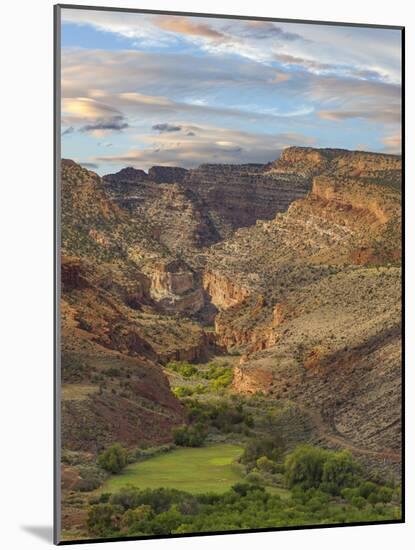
[{"x": 143, "y": 90}]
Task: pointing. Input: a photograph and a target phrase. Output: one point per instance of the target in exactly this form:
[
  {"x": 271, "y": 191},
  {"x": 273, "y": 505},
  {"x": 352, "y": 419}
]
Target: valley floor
[
  {"x": 194, "y": 470},
  {"x": 218, "y": 467}
]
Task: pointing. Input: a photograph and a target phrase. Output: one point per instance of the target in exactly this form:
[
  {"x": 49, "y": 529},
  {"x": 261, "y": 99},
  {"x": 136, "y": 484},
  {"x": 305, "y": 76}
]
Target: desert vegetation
[{"x": 325, "y": 487}]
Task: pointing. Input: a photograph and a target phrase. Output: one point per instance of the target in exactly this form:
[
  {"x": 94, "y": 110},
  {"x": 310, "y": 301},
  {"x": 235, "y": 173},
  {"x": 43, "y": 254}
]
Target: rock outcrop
[
  {"x": 239, "y": 195},
  {"x": 167, "y": 174},
  {"x": 175, "y": 216},
  {"x": 223, "y": 291},
  {"x": 176, "y": 288},
  {"x": 309, "y": 162},
  {"x": 126, "y": 175}
]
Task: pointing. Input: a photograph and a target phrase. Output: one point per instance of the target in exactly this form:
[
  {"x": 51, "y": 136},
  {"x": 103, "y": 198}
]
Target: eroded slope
[{"x": 312, "y": 298}]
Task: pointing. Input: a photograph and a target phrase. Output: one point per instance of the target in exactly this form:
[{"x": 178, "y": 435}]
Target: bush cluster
[
  {"x": 185, "y": 369},
  {"x": 221, "y": 414},
  {"x": 312, "y": 467},
  {"x": 219, "y": 374},
  {"x": 134, "y": 512}
]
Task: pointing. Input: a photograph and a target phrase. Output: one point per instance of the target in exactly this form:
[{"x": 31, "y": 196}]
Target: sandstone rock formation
[
  {"x": 319, "y": 317},
  {"x": 238, "y": 195},
  {"x": 295, "y": 264}
]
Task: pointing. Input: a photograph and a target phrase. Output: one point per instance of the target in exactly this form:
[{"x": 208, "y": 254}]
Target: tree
[
  {"x": 113, "y": 459},
  {"x": 166, "y": 522},
  {"x": 304, "y": 466},
  {"x": 340, "y": 471},
  {"x": 190, "y": 436}
]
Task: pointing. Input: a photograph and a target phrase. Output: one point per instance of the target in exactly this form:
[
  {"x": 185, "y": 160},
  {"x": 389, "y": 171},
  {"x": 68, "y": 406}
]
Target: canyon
[{"x": 294, "y": 265}]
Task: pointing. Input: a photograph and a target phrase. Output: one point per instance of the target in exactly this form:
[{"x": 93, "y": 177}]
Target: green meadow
[{"x": 194, "y": 470}]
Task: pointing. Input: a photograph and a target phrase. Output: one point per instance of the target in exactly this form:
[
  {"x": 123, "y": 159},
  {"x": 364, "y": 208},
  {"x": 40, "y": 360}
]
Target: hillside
[
  {"x": 118, "y": 286},
  {"x": 280, "y": 283},
  {"x": 312, "y": 298},
  {"x": 140, "y": 247}
]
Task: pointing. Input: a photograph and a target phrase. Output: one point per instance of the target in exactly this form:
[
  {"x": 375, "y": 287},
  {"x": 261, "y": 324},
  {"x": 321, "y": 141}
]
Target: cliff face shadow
[{"x": 43, "y": 532}]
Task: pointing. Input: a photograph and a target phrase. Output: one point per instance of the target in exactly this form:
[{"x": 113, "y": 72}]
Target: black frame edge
[
  {"x": 235, "y": 532},
  {"x": 227, "y": 16},
  {"x": 56, "y": 274}
]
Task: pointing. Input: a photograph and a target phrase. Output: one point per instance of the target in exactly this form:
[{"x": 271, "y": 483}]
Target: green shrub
[
  {"x": 264, "y": 464},
  {"x": 84, "y": 325},
  {"x": 349, "y": 493},
  {"x": 243, "y": 489},
  {"x": 102, "y": 519},
  {"x": 143, "y": 454},
  {"x": 113, "y": 459},
  {"x": 385, "y": 494},
  {"x": 358, "y": 502},
  {"x": 397, "y": 494},
  {"x": 160, "y": 500},
  {"x": 190, "y": 436},
  {"x": 166, "y": 522},
  {"x": 269, "y": 447},
  {"x": 182, "y": 391},
  {"x": 380, "y": 495},
  {"x": 72, "y": 368},
  {"x": 87, "y": 485},
  {"x": 226, "y": 416},
  {"x": 333, "y": 472},
  {"x": 254, "y": 477},
  {"x": 137, "y": 520},
  {"x": 91, "y": 477},
  {"x": 133, "y": 511},
  {"x": 367, "y": 488}
]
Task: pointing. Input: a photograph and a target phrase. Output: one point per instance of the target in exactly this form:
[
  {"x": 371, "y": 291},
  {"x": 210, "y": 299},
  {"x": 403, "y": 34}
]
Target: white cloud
[
  {"x": 280, "y": 83},
  {"x": 393, "y": 143},
  {"x": 359, "y": 48},
  {"x": 198, "y": 144}
]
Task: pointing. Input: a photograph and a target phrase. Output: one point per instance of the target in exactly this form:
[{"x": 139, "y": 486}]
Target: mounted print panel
[{"x": 228, "y": 292}]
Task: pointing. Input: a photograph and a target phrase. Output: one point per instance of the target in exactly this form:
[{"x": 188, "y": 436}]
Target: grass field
[{"x": 195, "y": 470}]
